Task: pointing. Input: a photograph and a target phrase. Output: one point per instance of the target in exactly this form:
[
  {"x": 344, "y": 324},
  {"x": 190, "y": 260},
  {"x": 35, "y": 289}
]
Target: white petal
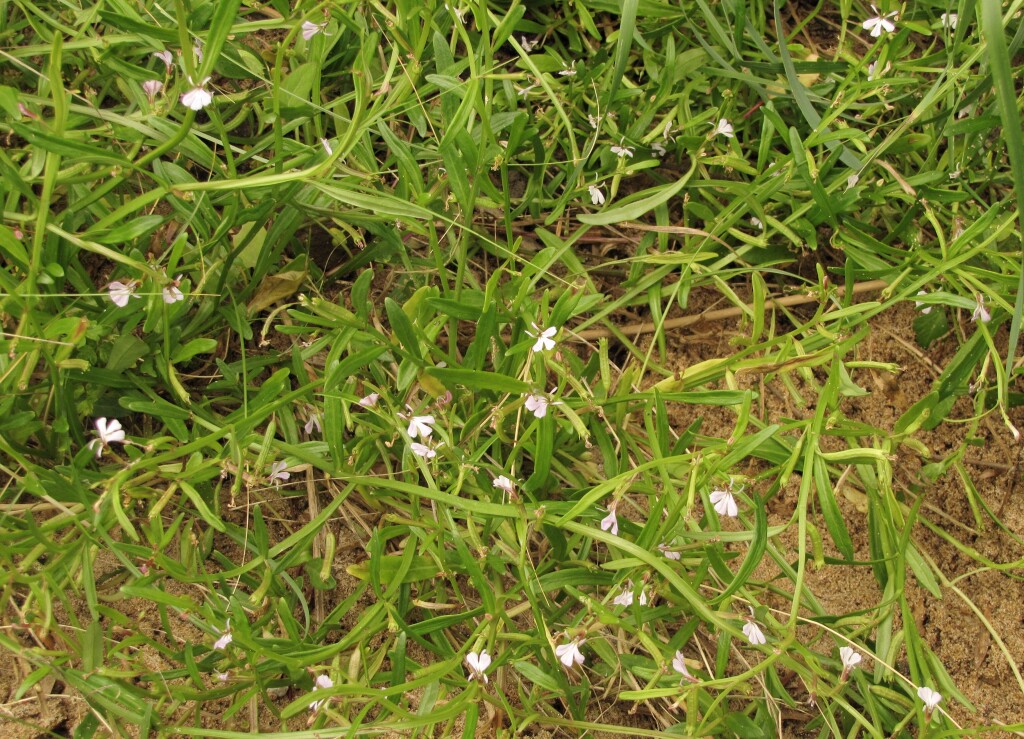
[
  {"x": 196, "y": 99},
  {"x": 422, "y": 450},
  {"x": 610, "y": 523},
  {"x": 223, "y": 641}
]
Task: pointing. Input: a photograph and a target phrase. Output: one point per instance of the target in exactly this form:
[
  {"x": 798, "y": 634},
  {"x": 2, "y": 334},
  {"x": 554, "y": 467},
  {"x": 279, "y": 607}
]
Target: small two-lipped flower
[
  {"x": 279, "y": 472},
  {"x": 596, "y": 196},
  {"x": 930, "y": 698},
  {"x": 980, "y": 311},
  {"x": 679, "y": 665},
  {"x": 625, "y": 598},
  {"x": 172, "y": 293},
  {"x": 611, "y": 521},
  {"x": 310, "y": 29},
  {"x": 122, "y": 292},
  {"x": 538, "y": 403},
  {"x": 478, "y": 664},
  {"x": 850, "y": 659},
  {"x": 545, "y": 339},
  {"x": 880, "y": 24},
  {"x": 198, "y": 97},
  {"x": 152, "y": 88},
  {"x": 724, "y": 503},
  {"x": 505, "y": 485},
  {"x": 723, "y": 128},
  {"x": 107, "y": 433},
  {"x": 622, "y": 152},
  {"x": 570, "y": 654},
  {"x": 323, "y": 682},
  {"x": 224, "y": 639},
  {"x": 753, "y": 632}
]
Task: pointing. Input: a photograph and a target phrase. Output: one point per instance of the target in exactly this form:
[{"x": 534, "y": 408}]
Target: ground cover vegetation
[{"x": 469, "y": 369}]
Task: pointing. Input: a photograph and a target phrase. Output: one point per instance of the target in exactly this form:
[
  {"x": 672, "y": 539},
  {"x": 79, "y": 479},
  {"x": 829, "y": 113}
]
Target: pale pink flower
[
  {"x": 323, "y": 682},
  {"x": 611, "y": 521},
  {"x": 166, "y": 57},
  {"x": 172, "y": 293},
  {"x": 221, "y": 644},
  {"x": 369, "y": 401},
  {"x": 310, "y": 29},
  {"x": 669, "y": 553},
  {"x": 152, "y": 88},
  {"x": 679, "y": 665},
  {"x": 422, "y": 450},
  {"x": 278, "y": 472},
  {"x": 121, "y": 292},
  {"x": 537, "y": 404},
  {"x": 504, "y": 484}
]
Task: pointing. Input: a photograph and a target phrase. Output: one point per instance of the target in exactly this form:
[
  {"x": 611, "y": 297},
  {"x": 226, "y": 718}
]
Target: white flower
[
  {"x": 537, "y": 404},
  {"x": 669, "y": 554},
  {"x": 756, "y": 223},
  {"x": 197, "y": 49},
  {"x": 420, "y": 426},
  {"x": 109, "y": 433},
  {"x": 504, "y": 484},
  {"x": 724, "y": 503},
  {"x": 658, "y": 149},
  {"x": 980, "y": 312},
  {"x": 594, "y": 121},
  {"x": 152, "y": 88},
  {"x": 310, "y": 29},
  {"x": 610, "y": 522},
  {"x": 918, "y": 303},
  {"x": 679, "y": 665},
  {"x": 930, "y": 698},
  {"x": 852, "y": 181},
  {"x": 198, "y": 97},
  {"x": 569, "y": 71},
  {"x": 327, "y": 146},
  {"x": 524, "y": 91},
  {"x": 527, "y": 44},
  {"x": 949, "y": 20},
  {"x": 313, "y": 422},
  {"x": 569, "y": 654},
  {"x": 166, "y": 57},
  {"x": 422, "y": 450},
  {"x": 120, "y": 292},
  {"x": 880, "y": 23},
  {"x": 278, "y": 472},
  {"x": 172, "y": 293},
  {"x": 753, "y": 633},
  {"x": 369, "y": 401},
  {"x": 622, "y": 151},
  {"x": 625, "y": 598},
  {"x": 323, "y": 682},
  {"x": 477, "y": 664},
  {"x": 545, "y": 339},
  {"x": 850, "y": 657},
  {"x": 223, "y": 641},
  {"x": 723, "y": 128},
  {"x": 596, "y": 196}
]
